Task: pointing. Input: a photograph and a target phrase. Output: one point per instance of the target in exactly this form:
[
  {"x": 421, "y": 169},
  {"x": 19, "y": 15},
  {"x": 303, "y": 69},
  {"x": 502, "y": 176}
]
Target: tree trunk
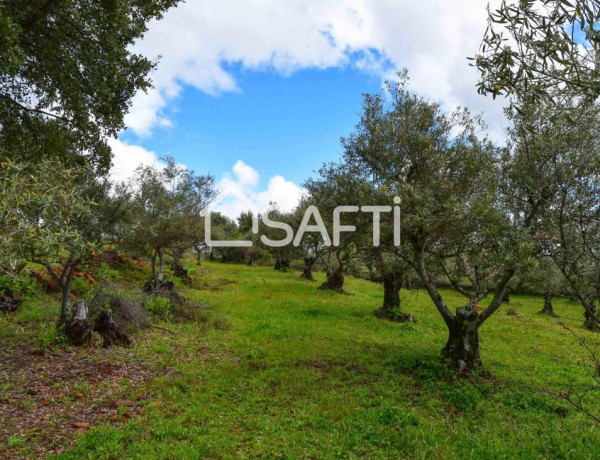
[
  {"x": 9, "y": 301},
  {"x": 408, "y": 283},
  {"x": 335, "y": 282},
  {"x": 153, "y": 265},
  {"x": 282, "y": 263},
  {"x": 548, "y": 308},
  {"x": 110, "y": 332},
  {"x": 506, "y": 297},
  {"x": 591, "y": 323},
  {"x": 462, "y": 349},
  {"x": 392, "y": 284},
  {"x": 78, "y": 330},
  {"x": 161, "y": 265},
  {"x": 307, "y": 274},
  {"x": 65, "y": 304}
]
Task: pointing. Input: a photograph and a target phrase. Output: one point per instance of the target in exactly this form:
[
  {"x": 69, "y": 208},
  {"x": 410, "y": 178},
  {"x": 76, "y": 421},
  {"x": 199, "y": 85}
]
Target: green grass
[{"x": 289, "y": 371}]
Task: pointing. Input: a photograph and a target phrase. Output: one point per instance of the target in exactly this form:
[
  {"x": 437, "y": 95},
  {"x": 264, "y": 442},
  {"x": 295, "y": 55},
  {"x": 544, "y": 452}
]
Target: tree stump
[
  {"x": 110, "y": 332},
  {"x": 164, "y": 289},
  {"x": 9, "y": 301},
  {"x": 181, "y": 272},
  {"x": 78, "y": 330}
]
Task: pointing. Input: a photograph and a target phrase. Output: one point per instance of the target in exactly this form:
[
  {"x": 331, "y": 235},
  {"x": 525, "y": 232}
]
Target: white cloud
[
  {"x": 198, "y": 38},
  {"x": 238, "y": 192},
  {"x": 128, "y": 157},
  {"x": 245, "y": 174}
]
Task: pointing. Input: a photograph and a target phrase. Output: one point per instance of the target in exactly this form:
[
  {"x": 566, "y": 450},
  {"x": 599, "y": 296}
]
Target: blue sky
[
  {"x": 285, "y": 125},
  {"x": 259, "y": 92}
]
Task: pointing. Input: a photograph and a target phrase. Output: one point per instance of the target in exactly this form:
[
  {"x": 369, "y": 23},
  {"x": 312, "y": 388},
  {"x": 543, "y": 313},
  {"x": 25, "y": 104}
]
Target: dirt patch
[
  {"x": 50, "y": 286},
  {"x": 47, "y": 400},
  {"x": 111, "y": 258}
]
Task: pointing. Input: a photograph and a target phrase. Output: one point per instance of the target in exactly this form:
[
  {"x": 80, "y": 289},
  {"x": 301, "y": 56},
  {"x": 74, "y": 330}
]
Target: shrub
[
  {"x": 47, "y": 338},
  {"x": 158, "y": 307},
  {"x": 80, "y": 287},
  {"x": 105, "y": 272},
  {"x": 126, "y": 309},
  {"x": 24, "y": 285}
]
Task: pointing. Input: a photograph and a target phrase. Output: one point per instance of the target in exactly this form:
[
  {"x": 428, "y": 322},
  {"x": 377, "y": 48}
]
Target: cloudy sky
[{"x": 258, "y": 92}]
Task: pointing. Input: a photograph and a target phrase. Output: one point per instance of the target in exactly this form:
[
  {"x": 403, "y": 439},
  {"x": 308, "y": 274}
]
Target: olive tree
[
  {"x": 47, "y": 217},
  {"x": 311, "y": 245},
  {"x": 336, "y": 186},
  {"x": 541, "y": 49},
  {"x": 455, "y": 217},
  {"x": 167, "y": 210},
  {"x": 562, "y": 145}
]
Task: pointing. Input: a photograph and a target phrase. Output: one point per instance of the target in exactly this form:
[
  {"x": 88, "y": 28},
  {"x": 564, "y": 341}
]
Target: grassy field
[{"x": 289, "y": 371}]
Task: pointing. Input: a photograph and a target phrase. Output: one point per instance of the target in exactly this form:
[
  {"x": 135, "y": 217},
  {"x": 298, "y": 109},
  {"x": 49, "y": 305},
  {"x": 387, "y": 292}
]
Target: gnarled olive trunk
[
  {"x": 334, "y": 282},
  {"x": 548, "y": 308},
  {"x": 65, "y": 304},
  {"x": 78, "y": 329},
  {"x": 307, "y": 274},
  {"x": 158, "y": 275},
  {"x": 282, "y": 263},
  {"x": 462, "y": 349},
  {"x": 64, "y": 283},
  {"x": 392, "y": 284},
  {"x": 591, "y": 318}
]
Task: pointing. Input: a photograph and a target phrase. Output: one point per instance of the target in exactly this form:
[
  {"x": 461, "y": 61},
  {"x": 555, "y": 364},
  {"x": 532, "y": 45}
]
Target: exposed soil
[{"x": 50, "y": 399}]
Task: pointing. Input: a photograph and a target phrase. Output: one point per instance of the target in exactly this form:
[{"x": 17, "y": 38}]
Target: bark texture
[
  {"x": 110, "y": 332},
  {"x": 390, "y": 310},
  {"x": 9, "y": 301},
  {"x": 307, "y": 273},
  {"x": 78, "y": 329},
  {"x": 591, "y": 322},
  {"x": 462, "y": 349},
  {"x": 548, "y": 308},
  {"x": 334, "y": 282}
]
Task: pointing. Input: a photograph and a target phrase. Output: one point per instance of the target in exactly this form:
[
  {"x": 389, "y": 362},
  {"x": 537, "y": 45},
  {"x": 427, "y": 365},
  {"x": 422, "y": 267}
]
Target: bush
[
  {"x": 24, "y": 285},
  {"x": 105, "y": 272},
  {"x": 80, "y": 287},
  {"x": 126, "y": 309},
  {"x": 158, "y": 307},
  {"x": 47, "y": 338}
]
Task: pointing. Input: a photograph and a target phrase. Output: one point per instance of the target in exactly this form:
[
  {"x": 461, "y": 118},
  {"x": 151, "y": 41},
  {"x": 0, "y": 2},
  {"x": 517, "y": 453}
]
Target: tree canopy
[{"x": 68, "y": 74}]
